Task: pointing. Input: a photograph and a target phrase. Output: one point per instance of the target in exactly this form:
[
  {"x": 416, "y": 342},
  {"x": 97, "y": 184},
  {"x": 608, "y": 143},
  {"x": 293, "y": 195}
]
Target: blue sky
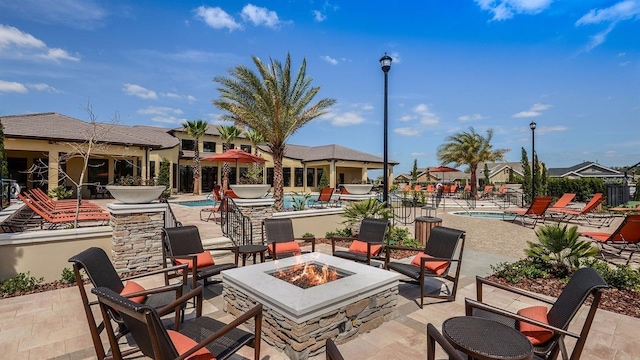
[{"x": 573, "y": 67}]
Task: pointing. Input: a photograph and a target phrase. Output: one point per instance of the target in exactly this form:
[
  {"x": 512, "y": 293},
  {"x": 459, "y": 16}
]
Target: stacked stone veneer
[
  {"x": 306, "y": 339},
  {"x": 257, "y": 213},
  {"x": 137, "y": 236}
]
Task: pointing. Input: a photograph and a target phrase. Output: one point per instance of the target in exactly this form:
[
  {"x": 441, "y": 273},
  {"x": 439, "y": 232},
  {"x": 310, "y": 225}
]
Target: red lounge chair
[
  {"x": 431, "y": 188},
  {"x": 586, "y": 213},
  {"x": 626, "y": 209},
  {"x": 56, "y": 219},
  {"x": 487, "y": 192},
  {"x": 535, "y": 211},
  {"x": 625, "y": 238},
  {"x": 417, "y": 188},
  {"x": 324, "y": 199},
  {"x": 563, "y": 202}
]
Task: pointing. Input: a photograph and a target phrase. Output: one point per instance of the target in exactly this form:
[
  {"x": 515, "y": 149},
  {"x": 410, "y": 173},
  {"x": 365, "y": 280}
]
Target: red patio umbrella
[
  {"x": 234, "y": 155},
  {"x": 442, "y": 169}
]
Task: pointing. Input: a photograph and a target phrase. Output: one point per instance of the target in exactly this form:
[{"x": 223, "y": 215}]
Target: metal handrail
[{"x": 235, "y": 225}]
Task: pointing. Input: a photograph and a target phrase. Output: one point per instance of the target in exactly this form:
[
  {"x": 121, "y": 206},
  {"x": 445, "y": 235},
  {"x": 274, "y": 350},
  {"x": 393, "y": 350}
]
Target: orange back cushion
[
  {"x": 131, "y": 287},
  {"x": 183, "y": 343},
  {"x": 286, "y": 247},
  {"x": 437, "y": 267},
  {"x": 536, "y": 334},
  {"x": 361, "y": 247},
  {"x": 203, "y": 259}
]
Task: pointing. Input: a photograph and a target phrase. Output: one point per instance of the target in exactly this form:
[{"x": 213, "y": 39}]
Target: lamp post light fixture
[
  {"x": 385, "y": 64},
  {"x": 533, "y": 160}
]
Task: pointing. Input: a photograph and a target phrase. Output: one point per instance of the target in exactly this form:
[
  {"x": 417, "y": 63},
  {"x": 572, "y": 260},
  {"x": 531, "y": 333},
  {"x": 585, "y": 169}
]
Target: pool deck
[{"x": 52, "y": 325}]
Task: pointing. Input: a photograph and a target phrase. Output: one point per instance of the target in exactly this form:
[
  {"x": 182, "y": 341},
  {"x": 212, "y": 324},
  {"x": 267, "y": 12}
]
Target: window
[
  {"x": 310, "y": 173},
  {"x": 152, "y": 169},
  {"x": 298, "y": 177},
  {"x": 286, "y": 174},
  {"x": 187, "y": 144},
  {"x": 270, "y": 176},
  {"x": 319, "y": 175},
  {"x": 231, "y": 146},
  {"x": 98, "y": 171},
  {"x": 246, "y": 148},
  {"x": 209, "y": 146}
]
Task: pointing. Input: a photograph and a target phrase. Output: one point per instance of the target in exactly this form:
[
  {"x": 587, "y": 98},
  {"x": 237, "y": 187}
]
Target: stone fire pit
[{"x": 298, "y": 321}]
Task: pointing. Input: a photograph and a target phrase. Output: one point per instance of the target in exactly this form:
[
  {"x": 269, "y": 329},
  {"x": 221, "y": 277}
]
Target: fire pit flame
[{"x": 308, "y": 274}]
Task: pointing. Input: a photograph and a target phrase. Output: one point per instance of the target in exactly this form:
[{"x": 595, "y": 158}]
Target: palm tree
[
  {"x": 256, "y": 138},
  {"x": 196, "y": 129},
  {"x": 469, "y": 148},
  {"x": 272, "y": 103},
  {"x": 228, "y": 133}
]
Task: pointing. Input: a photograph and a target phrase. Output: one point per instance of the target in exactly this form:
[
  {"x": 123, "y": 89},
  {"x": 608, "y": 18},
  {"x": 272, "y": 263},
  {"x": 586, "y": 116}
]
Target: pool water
[
  {"x": 495, "y": 215},
  {"x": 288, "y": 202}
]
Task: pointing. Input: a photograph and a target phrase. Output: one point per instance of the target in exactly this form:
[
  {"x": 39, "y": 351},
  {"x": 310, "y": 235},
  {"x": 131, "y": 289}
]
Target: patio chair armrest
[
  {"x": 433, "y": 336},
  {"x": 255, "y": 312},
  {"x": 388, "y": 248},
  {"x": 158, "y": 271},
  {"x": 155, "y": 290},
  {"x": 312, "y": 240},
  {"x": 177, "y": 303},
  {"x": 428, "y": 259},
  {"x": 470, "y": 304},
  {"x": 480, "y": 281}
]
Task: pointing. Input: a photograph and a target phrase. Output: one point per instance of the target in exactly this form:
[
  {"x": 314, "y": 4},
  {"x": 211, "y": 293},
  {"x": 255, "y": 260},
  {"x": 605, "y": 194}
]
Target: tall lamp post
[
  {"x": 533, "y": 160},
  {"x": 385, "y": 63}
]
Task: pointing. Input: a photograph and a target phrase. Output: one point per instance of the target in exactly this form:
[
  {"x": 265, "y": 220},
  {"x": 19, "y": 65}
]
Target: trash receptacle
[{"x": 424, "y": 224}]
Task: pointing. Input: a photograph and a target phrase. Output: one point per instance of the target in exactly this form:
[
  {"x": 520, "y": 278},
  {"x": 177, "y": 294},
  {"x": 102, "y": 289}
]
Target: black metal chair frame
[
  {"x": 184, "y": 243},
  {"x": 96, "y": 259},
  {"x": 584, "y": 282},
  {"x": 433, "y": 337},
  {"x": 373, "y": 232},
  {"x": 151, "y": 336},
  {"x": 280, "y": 230},
  {"x": 332, "y": 352},
  {"x": 441, "y": 246}
]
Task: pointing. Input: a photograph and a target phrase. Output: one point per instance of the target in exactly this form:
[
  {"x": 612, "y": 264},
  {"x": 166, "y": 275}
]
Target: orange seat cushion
[
  {"x": 536, "y": 334},
  {"x": 203, "y": 259},
  {"x": 361, "y": 247},
  {"x": 286, "y": 247},
  {"x": 437, "y": 267},
  {"x": 183, "y": 343},
  {"x": 132, "y": 287}
]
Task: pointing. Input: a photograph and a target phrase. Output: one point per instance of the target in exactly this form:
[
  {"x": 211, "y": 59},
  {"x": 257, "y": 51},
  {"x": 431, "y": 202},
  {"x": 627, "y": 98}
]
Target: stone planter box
[
  {"x": 250, "y": 191},
  {"x": 135, "y": 194},
  {"x": 358, "y": 189}
]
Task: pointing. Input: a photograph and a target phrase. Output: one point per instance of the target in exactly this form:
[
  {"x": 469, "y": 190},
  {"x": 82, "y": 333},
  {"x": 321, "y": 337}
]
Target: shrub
[
  {"x": 521, "y": 269},
  {"x": 21, "y": 282},
  {"x": 308, "y": 235},
  {"x": 346, "y": 232},
  {"x": 60, "y": 192},
  {"x": 618, "y": 276},
  {"x": 300, "y": 200},
  {"x": 560, "y": 248},
  {"x": 164, "y": 177},
  {"x": 370, "y": 208},
  {"x": 68, "y": 275},
  {"x": 402, "y": 237}
]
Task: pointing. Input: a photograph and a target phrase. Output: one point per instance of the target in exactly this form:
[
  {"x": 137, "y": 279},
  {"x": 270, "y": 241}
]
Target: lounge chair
[
  {"x": 182, "y": 245},
  {"x": 551, "y": 327},
  {"x": 434, "y": 262},
  {"x": 202, "y": 338},
  {"x": 407, "y": 188},
  {"x": 563, "y": 202},
  {"x": 453, "y": 189},
  {"x": 586, "y": 213},
  {"x": 417, "y": 188},
  {"x": 99, "y": 269},
  {"x": 536, "y": 210},
  {"x": 626, "y": 209},
  {"x": 487, "y": 192},
  {"x": 367, "y": 245},
  {"x": 59, "y": 218},
  {"x": 324, "y": 199},
  {"x": 277, "y": 234},
  {"x": 433, "y": 337},
  {"x": 625, "y": 238},
  {"x": 211, "y": 211}
]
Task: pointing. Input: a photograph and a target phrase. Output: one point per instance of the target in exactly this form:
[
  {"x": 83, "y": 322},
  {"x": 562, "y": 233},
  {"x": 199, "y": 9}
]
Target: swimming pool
[
  {"x": 288, "y": 202},
  {"x": 494, "y": 215}
]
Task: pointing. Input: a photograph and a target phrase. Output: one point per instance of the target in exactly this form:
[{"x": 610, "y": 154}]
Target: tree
[
  {"x": 414, "y": 172},
  {"x": 4, "y": 172},
  {"x": 228, "y": 133},
  {"x": 196, "y": 129},
  {"x": 526, "y": 173},
  {"x": 164, "y": 173},
  {"x": 470, "y": 148},
  {"x": 256, "y": 138},
  {"x": 272, "y": 103},
  {"x": 486, "y": 173}
]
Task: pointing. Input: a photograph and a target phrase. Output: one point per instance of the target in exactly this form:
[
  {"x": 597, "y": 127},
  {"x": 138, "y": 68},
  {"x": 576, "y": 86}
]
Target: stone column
[
  {"x": 137, "y": 236},
  {"x": 257, "y": 210}
]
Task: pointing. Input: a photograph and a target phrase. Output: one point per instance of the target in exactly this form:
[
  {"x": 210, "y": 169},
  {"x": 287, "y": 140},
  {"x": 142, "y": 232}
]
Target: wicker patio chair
[
  {"x": 277, "y": 235},
  {"x": 433, "y": 337},
  {"x": 204, "y": 336},
  {"x": 182, "y": 244},
  {"x": 332, "y": 352},
  {"x": 367, "y": 245},
  {"x": 550, "y": 328},
  {"x": 99, "y": 269},
  {"x": 434, "y": 262}
]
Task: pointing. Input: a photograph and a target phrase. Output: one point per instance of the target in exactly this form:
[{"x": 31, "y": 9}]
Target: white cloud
[
  {"x": 260, "y": 16},
  {"x": 346, "y": 119},
  {"x": 159, "y": 110},
  {"x": 549, "y": 129},
  {"x": 82, "y": 14},
  {"x": 506, "y": 9},
  {"x": 425, "y": 115},
  {"x": 405, "y": 118},
  {"x": 168, "y": 119},
  {"x": 139, "y": 91},
  {"x": 329, "y": 59},
  {"x": 188, "y": 98},
  {"x": 534, "y": 111},
  {"x": 17, "y": 44},
  {"x": 363, "y": 106},
  {"x": 472, "y": 117},
  {"x": 319, "y": 16},
  {"x": 44, "y": 87},
  {"x": 418, "y": 154},
  {"x": 624, "y": 10},
  {"x": 12, "y": 86},
  {"x": 217, "y": 18},
  {"x": 625, "y": 63},
  {"x": 407, "y": 131}
]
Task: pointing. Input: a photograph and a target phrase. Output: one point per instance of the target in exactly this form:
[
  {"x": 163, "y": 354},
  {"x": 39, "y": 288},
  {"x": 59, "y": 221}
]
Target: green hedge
[{"x": 583, "y": 188}]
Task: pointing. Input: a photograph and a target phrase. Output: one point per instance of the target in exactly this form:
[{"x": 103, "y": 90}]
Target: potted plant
[
  {"x": 135, "y": 190},
  {"x": 251, "y": 184}
]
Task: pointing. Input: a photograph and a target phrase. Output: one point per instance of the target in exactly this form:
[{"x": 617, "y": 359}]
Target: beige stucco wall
[
  {"x": 46, "y": 253},
  {"x": 309, "y": 221}
]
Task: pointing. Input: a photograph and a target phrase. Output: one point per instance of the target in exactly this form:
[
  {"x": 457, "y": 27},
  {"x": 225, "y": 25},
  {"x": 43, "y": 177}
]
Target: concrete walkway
[{"x": 52, "y": 324}]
